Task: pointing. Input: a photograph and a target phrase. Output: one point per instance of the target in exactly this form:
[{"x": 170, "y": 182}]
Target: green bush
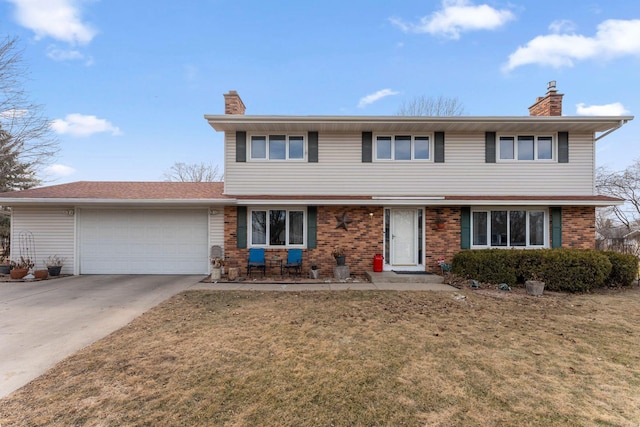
[
  {"x": 572, "y": 270},
  {"x": 624, "y": 269}
]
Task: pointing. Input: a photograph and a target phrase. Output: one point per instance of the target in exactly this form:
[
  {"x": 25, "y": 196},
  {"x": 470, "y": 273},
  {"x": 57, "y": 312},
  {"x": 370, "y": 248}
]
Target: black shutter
[
  {"x": 312, "y": 227},
  {"x": 556, "y": 227},
  {"x": 438, "y": 147},
  {"x": 241, "y": 146},
  {"x": 241, "y": 227},
  {"x": 313, "y": 147},
  {"x": 490, "y": 147},
  {"x": 465, "y": 227},
  {"x": 563, "y": 147},
  {"x": 367, "y": 147}
]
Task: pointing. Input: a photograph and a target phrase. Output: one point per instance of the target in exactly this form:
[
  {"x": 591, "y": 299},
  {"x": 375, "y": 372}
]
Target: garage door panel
[{"x": 143, "y": 241}]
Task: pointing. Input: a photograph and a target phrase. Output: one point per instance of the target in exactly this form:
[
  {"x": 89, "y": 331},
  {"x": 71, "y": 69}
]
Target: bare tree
[
  {"x": 196, "y": 172},
  {"x": 430, "y": 106},
  {"x": 624, "y": 185},
  {"x": 28, "y": 141}
]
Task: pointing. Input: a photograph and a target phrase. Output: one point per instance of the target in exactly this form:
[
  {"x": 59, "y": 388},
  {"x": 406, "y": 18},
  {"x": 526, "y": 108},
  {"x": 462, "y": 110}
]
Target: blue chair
[
  {"x": 294, "y": 260},
  {"x": 256, "y": 260}
]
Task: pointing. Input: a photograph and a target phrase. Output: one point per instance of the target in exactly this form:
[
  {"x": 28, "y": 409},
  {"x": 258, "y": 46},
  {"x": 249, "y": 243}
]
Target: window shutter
[
  {"x": 465, "y": 227},
  {"x": 556, "y": 227},
  {"x": 242, "y": 227},
  {"x": 563, "y": 147},
  {"x": 312, "y": 227},
  {"x": 367, "y": 147},
  {"x": 438, "y": 147},
  {"x": 241, "y": 146},
  {"x": 313, "y": 147},
  {"x": 490, "y": 147}
]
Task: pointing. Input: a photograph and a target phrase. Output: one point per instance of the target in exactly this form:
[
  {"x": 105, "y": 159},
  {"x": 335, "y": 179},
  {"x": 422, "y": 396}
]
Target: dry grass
[{"x": 353, "y": 359}]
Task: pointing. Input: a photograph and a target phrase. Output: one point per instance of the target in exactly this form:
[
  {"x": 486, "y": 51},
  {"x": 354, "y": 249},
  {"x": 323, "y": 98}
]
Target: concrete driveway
[{"x": 43, "y": 322}]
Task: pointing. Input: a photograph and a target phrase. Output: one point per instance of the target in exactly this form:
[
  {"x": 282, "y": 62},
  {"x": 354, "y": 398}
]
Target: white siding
[
  {"x": 216, "y": 228},
  {"x": 53, "y": 233},
  {"x": 340, "y": 171}
]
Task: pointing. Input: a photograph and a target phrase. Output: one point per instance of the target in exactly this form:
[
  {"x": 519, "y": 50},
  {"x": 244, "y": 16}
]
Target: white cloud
[
  {"x": 613, "y": 39},
  {"x": 59, "y": 170},
  {"x": 58, "y": 19},
  {"x": 370, "y": 99},
  {"x": 83, "y": 125},
  {"x": 614, "y": 109},
  {"x": 57, "y": 54},
  {"x": 562, "y": 26},
  {"x": 456, "y": 17},
  {"x": 13, "y": 113}
]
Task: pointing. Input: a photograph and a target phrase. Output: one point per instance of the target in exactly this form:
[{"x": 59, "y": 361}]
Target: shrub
[
  {"x": 624, "y": 269},
  {"x": 572, "y": 270}
]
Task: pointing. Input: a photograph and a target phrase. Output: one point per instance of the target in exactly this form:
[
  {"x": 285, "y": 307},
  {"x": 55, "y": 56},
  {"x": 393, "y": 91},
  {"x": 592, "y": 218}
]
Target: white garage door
[{"x": 136, "y": 241}]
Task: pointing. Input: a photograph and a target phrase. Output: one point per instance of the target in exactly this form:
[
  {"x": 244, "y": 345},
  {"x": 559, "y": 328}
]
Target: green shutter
[
  {"x": 556, "y": 227},
  {"x": 465, "y": 227},
  {"x": 242, "y": 227},
  {"x": 438, "y": 147},
  {"x": 563, "y": 147},
  {"x": 312, "y": 227},
  {"x": 241, "y": 146},
  {"x": 367, "y": 147},
  {"x": 313, "y": 147},
  {"x": 490, "y": 147}
]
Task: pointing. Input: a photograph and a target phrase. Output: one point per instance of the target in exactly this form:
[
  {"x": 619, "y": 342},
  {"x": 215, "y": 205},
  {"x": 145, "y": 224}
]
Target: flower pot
[
  {"x": 216, "y": 273},
  {"x": 440, "y": 225},
  {"x": 41, "y": 274},
  {"x": 314, "y": 274},
  {"x": 534, "y": 287},
  {"x": 340, "y": 260},
  {"x": 5, "y": 268},
  {"x": 19, "y": 273},
  {"x": 54, "y": 271}
]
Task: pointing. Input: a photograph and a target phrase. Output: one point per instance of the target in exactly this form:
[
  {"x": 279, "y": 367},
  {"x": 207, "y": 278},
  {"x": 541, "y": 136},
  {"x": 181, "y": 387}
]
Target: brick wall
[
  {"x": 549, "y": 105},
  {"x": 579, "y": 227},
  {"x": 441, "y": 242}
]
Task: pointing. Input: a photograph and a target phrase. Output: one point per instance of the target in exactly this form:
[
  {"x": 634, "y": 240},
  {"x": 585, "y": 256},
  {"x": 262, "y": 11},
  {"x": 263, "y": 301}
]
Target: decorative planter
[
  {"x": 41, "y": 274},
  {"x": 216, "y": 273},
  {"x": 19, "y": 273},
  {"x": 54, "y": 271},
  {"x": 534, "y": 287},
  {"x": 314, "y": 274},
  {"x": 340, "y": 260},
  {"x": 5, "y": 268},
  {"x": 440, "y": 225}
]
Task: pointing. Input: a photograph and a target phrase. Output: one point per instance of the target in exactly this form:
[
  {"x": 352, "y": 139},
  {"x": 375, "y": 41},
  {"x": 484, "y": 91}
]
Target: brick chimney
[
  {"x": 549, "y": 105},
  {"x": 233, "y": 104}
]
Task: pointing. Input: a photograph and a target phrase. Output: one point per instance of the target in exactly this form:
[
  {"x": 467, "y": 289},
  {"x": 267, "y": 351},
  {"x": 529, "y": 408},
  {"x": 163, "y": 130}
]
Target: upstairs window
[
  {"x": 277, "y": 147},
  {"x": 403, "y": 147},
  {"x": 525, "y": 147}
]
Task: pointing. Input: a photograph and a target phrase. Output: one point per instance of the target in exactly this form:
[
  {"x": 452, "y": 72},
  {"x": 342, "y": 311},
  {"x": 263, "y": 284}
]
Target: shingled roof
[{"x": 105, "y": 190}]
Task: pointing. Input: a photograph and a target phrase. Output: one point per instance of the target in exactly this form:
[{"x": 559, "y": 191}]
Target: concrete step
[{"x": 391, "y": 277}]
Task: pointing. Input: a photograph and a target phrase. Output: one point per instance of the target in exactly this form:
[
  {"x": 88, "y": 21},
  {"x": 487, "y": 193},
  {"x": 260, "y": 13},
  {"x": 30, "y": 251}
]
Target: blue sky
[{"x": 126, "y": 83}]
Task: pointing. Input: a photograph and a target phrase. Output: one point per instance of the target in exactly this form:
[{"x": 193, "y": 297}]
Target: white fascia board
[{"x": 20, "y": 201}]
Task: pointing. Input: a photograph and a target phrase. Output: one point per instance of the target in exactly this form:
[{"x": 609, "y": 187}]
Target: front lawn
[{"x": 348, "y": 358}]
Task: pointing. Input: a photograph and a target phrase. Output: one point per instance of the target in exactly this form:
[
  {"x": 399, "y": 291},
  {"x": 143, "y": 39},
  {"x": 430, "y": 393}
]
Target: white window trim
[
  {"x": 393, "y": 142},
  {"x": 277, "y": 208},
  {"x": 488, "y": 210},
  {"x": 554, "y": 147},
  {"x": 287, "y": 137}
]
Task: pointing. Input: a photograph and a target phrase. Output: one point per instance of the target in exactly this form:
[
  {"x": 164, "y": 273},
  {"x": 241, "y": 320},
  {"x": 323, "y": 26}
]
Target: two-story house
[{"x": 414, "y": 189}]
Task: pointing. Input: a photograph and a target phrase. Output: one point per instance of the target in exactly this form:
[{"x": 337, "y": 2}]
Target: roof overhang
[
  {"x": 538, "y": 124},
  {"x": 83, "y": 202}
]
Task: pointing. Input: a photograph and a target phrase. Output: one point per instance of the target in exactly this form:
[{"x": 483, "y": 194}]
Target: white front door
[{"x": 404, "y": 241}]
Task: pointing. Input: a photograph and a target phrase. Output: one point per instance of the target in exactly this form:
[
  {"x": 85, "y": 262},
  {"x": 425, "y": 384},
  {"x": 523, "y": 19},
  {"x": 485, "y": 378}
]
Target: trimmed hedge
[
  {"x": 624, "y": 270},
  {"x": 571, "y": 270}
]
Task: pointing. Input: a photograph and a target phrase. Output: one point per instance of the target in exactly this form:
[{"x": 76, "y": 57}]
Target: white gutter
[
  {"x": 422, "y": 201},
  {"x": 14, "y": 201},
  {"x": 620, "y": 124}
]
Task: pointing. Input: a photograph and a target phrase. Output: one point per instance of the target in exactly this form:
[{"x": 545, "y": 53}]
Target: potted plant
[
  {"x": 440, "y": 222},
  {"x": 339, "y": 254},
  {"x": 54, "y": 264},
  {"x": 5, "y": 267},
  {"x": 20, "y": 268}
]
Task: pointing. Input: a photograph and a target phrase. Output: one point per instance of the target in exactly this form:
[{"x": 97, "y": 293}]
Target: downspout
[{"x": 622, "y": 123}]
